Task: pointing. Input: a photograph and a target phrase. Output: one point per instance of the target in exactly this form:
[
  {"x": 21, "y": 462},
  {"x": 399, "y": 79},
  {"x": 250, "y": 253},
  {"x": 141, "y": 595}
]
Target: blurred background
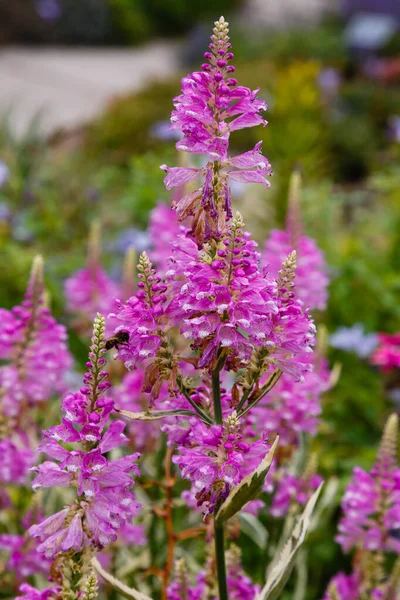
[{"x": 86, "y": 94}]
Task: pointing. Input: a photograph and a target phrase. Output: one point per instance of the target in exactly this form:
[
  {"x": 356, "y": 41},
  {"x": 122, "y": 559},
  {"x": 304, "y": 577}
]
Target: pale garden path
[{"x": 71, "y": 85}]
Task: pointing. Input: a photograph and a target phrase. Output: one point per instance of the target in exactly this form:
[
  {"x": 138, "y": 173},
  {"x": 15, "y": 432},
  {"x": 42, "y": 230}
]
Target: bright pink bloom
[{"x": 387, "y": 355}]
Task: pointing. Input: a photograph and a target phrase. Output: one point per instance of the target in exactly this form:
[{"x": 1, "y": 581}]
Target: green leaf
[
  {"x": 155, "y": 414},
  {"x": 117, "y": 585},
  {"x": 281, "y": 568},
  {"x": 254, "y": 529},
  {"x": 248, "y": 489}
]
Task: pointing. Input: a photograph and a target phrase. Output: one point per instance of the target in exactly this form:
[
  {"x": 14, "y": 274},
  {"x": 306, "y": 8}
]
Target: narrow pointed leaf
[
  {"x": 248, "y": 489},
  {"x": 117, "y": 585},
  {"x": 281, "y": 568},
  {"x": 154, "y": 415}
]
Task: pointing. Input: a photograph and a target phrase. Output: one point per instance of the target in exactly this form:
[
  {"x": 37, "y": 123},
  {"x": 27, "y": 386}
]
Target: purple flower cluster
[
  {"x": 292, "y": 490},
  {"x": 34, "y": 345},
  {"x": 105, "y": 501},
  {"x": 311, "y": 271},
  {"x": 210, "y": 107},
  {"x": 90, "y": 291},
  {"x": 370, "y": 524},
  {"x": 226, "y": 302},
  {"x": 217, "y": 458},
  {"x": 240, "y": 586}
]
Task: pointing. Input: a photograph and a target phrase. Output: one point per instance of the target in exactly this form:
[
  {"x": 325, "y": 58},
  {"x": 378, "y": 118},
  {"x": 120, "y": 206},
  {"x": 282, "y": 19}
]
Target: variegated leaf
[
  {"x": 281, "y": 568},
  {"x": 155, "y": 414},
  {"x": 248, "y": 489},
  {"x": 117, "y": 585}
]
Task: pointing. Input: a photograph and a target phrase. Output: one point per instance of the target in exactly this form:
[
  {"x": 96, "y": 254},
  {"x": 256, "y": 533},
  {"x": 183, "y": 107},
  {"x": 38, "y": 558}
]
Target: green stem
[
  {"x": 205, "y": 418},
  {"x": 216, "y": 390},
  {"x": 219, "y": 529},
  {"x": 220, "y": 561}
]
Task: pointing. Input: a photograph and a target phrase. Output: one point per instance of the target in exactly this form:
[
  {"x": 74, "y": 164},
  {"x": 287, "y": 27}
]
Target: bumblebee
[{"x": 119, "y": 339}]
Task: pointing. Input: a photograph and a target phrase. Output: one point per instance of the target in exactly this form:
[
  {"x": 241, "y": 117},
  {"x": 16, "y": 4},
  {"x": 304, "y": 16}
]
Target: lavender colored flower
[
  {"x": 371, "y": 504},
  {"x": 354, "y": 339},
  {"x": 4, "y": 173},
  {"x": 35, "y": 346},
  {"x": 49, "y": 10},
  {"x": 77, "y": 448}
]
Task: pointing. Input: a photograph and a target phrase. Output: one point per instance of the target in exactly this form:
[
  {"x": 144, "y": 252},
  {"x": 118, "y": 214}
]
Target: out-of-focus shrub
[{"x": 124, "y": 128}]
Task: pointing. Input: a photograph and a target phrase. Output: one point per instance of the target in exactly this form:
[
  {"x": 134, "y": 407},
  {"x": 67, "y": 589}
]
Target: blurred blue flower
[
  {"x": 161, "y": 130},
  {"x": 48, "y": 10},
  {"x": 131, "y": 237},
  {"x": 354, "y": 339},
  {"x": 329, "y": 81},
  {"x": 4, "y": 173},
  {"x": 5, "y": 212}
]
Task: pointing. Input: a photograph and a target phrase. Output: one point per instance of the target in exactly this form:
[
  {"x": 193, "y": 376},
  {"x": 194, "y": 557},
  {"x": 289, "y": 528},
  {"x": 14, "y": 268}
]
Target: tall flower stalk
[
  {"x": 212, "y": 314},
  {"x": 77, "y": 449}
]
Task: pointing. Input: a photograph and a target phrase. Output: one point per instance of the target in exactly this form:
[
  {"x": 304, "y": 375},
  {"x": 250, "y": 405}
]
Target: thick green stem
[
  {"x": 216, "y": 390},
  {"x": 219, "y": 529},
  {"x": 220, "y": 561}
]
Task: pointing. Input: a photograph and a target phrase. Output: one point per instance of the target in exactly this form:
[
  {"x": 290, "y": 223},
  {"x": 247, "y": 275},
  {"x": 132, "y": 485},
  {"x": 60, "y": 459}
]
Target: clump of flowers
[
  {"x": 370, "y": 525},
  {"x": 77, "y": 449},
  {"x": 311, "y": 273}
]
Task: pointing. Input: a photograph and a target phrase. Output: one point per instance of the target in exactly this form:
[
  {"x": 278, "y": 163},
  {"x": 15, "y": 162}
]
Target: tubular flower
[
  {"x": 77, "y": 448},
  {"x": 210, "y": 107},
  {"x": 312, "y": 271},
  {"x": 216, "y": 458},
  {"x": 371, "y": 504}
]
